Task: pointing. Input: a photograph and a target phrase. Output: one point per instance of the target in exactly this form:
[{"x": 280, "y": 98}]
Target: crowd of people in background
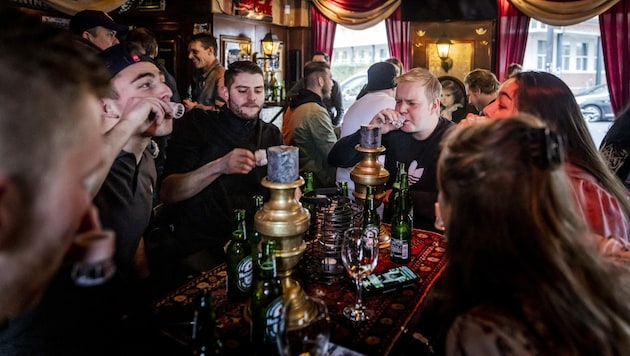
[{"x": 522, "y": 189}]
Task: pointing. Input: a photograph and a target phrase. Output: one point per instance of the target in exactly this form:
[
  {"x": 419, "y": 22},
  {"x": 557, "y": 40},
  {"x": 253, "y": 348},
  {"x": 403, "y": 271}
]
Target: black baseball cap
[
  {"x": 87, "y": 19},
  {"x": 381, "y": 76},
  {"x": 118, "y": 57}
]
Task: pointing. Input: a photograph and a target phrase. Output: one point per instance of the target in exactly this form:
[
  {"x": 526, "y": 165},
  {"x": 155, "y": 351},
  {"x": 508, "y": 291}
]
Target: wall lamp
[
  {"x": 443, "y": 48},
  {"x": 270, "y": 44}
]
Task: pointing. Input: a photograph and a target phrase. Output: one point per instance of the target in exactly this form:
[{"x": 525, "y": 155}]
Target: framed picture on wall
[{"x": 235, "y": 49}]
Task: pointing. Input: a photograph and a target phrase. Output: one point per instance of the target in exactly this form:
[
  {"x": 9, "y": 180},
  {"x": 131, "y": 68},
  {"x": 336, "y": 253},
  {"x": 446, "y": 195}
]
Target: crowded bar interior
[{"x": 315, "y": 177}]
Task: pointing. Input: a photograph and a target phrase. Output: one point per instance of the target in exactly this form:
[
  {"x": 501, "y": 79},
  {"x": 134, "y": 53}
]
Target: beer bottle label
[
  {"x": 399, "y": 248},
  {"x": 273, "y": 318},
  {"x": 245, "y": 269}
]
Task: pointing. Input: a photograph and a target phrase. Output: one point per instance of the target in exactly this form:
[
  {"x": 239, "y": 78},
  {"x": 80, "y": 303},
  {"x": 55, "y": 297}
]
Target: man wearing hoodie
[{"x": 307, "y": 124}]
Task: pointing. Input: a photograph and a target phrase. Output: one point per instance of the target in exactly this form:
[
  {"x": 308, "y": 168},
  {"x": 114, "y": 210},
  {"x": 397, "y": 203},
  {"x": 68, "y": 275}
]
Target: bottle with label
[
  {"x": 389, "y": 210},
  {"x": 402, "y": 225},
  {"x": 239, "y": 261},
  {"x": 371, "y": 219},
  {"x": 266, "y": 302},
  {"x": 205, "y": 339}
]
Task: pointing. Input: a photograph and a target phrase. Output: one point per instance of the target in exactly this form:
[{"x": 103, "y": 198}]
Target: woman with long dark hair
[{"x": 524, "y": 274}]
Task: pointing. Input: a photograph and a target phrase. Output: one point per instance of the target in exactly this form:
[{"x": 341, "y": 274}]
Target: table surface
[{"x": 377, "y": 336}]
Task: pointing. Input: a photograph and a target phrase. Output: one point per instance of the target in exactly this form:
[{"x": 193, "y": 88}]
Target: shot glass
[{"x": 95, "y": 252}]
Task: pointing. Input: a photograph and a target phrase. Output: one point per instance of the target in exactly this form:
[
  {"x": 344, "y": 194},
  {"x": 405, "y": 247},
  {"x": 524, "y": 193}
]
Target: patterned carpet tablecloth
[{"x": 377, "y": 336}]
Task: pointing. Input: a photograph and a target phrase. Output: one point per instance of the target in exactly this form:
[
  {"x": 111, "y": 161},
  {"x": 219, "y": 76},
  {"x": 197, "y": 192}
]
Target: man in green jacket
[{"x": 307, "y": 125}]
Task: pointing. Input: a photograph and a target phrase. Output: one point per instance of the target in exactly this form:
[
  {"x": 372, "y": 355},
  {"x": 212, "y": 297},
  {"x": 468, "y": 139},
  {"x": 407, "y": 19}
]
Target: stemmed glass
[{"x": 359, "y": 253}]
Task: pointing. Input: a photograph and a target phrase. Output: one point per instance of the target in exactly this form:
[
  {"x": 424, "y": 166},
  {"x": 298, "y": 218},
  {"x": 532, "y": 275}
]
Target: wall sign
[{"x": 256, "y": 9}]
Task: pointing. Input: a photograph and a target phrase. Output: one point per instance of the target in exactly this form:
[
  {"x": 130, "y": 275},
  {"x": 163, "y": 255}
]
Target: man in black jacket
[
  {"x": 211, "y": 168},
  {"x": 411, "y": 134}
]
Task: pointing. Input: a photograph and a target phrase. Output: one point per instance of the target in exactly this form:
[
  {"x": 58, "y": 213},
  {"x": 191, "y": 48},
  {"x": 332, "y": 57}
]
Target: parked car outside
[
  {"x": 595, "y": 103},
  {"x": 351, "y": 87}
]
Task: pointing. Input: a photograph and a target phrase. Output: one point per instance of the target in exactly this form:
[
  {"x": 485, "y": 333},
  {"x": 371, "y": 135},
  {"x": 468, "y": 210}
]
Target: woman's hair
[
  {"x": 514, "y": 243},
  {"x": 398, "y": 63},
  {"x": 547, "y": 97},
  {"x": 455, "y": 89}
]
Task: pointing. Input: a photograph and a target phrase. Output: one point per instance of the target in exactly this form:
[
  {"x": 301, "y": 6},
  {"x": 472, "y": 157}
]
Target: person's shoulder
[
  {"x": 482, "y": 330},
  {"x": 268, "y": 127}
]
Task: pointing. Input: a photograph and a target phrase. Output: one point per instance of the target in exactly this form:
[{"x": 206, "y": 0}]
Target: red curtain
[
  {"x": 398, "y": 38},
  {"x": 511, "y": 37},
  {"x": 323, "y": 31},
  {"x": 614, "y": 28}
]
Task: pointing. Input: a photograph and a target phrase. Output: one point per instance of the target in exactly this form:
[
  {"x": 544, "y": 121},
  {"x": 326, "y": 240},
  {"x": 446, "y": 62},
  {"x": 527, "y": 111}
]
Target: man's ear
[
  {"x": 108, "y": 108},
  {"x": 86, "y": 35},
  {"x": 321, "y": 81},
  {"x": 225, "y": 93}
]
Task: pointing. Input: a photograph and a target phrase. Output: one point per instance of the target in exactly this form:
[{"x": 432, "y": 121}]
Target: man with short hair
[
  {"x": 334, "y": 104},
  {"x": 380, "y": 90},
  {"x": 211, "y": 168},
  {"x": 415, "y": 141},
  {"x": 209, "y": 75},
  {"x": 306, "y": 124},
  {"x": 50, "y": 151},
  {"x": 97, "y": 27},
  {"x": 482, "y": 88}
]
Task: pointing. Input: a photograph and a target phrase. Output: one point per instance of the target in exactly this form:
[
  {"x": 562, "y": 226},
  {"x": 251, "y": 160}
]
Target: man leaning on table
[{"x": 414, "y": 141}]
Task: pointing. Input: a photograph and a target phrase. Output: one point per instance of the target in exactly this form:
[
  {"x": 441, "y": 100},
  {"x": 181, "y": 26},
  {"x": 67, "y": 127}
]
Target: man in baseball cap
[{"x": 97, "y": 27}]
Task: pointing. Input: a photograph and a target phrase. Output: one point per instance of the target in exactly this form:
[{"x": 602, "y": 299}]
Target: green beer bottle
[
  {"x": 343, "y": 186},
  {"x": 205, "y": 339},
  {"x": 371, "y": 219},
  {"x": 402, "y": 224},
  {"x": 254, "y": 236},
  {"x": 239, "y": 261},
  {"x": 266, "y": 302},
  {"x": 390, "y": 208},
  {"x": 308, "y": 182}
]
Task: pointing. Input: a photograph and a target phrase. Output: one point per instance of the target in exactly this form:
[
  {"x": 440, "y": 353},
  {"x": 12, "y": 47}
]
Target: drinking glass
[
  {"x": 359, "y": 253},
  {"x": 304, "y": 329},
  {"x": 93, "y": 253}
]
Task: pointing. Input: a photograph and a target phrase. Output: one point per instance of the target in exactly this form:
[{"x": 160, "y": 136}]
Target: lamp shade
[
  {"x": 443, "y": 47},
  {"x": 270, "y": 44}
]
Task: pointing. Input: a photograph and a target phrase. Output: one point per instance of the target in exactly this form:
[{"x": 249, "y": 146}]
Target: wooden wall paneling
[{"x": 472, "y": 45}]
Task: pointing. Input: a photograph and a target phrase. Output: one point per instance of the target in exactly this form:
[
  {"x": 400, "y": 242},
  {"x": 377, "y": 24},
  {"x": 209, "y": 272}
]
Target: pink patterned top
[{"x": 600, "y": 209}]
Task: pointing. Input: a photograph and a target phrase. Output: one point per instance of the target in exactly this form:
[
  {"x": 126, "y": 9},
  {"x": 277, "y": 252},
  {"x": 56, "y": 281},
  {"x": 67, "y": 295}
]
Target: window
[
  {"x": 566, "y": 56},
  {"x": 541, "y": 55},
  {"x": 361, "y": 49},
  {"x": 537, "y": 25},
  {"x": 581, "y": 56}
]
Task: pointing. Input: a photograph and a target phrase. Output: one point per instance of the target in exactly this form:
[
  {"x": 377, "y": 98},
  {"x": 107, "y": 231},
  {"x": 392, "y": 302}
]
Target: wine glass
[
  {"x": 304, "y": 328},
  {"x": 359, "y": 253}
]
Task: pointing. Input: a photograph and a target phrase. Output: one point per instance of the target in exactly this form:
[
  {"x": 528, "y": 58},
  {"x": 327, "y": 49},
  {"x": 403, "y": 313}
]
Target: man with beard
[
  {"x": 211, "y": 168},
  {"x": 307, "y": 125}
]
